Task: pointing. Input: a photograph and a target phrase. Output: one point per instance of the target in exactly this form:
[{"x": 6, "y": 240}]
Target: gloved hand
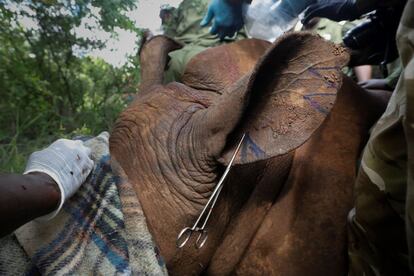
[
  {"x": 375, "y": 84},
  {"x": 67, "y": 162},
  {"x": 228, "y": 18},
  {"x": 336, "y": 10}
]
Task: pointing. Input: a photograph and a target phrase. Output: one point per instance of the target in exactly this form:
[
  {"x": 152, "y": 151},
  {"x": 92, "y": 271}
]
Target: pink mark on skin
[{"x": 230, "y": 66}]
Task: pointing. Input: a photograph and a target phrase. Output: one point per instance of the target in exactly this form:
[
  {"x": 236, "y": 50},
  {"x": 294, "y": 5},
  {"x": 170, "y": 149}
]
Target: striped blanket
[{"x": 100, "y": 231}]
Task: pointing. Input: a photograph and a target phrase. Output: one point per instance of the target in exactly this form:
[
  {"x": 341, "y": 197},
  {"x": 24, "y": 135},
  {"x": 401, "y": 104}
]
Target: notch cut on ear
[{"x": 288, "y": 96}]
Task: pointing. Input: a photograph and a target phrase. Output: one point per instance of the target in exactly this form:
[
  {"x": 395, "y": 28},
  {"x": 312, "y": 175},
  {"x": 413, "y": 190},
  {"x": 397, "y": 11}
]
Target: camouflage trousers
[{"x": 381, "y": 226}]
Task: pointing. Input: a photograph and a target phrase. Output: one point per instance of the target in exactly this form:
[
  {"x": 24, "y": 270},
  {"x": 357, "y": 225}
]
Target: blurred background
[{"x": 67, "y": 67}]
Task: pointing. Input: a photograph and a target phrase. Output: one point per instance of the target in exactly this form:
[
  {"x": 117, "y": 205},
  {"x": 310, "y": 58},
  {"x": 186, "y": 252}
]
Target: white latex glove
[{"x": 67, "y": 162}]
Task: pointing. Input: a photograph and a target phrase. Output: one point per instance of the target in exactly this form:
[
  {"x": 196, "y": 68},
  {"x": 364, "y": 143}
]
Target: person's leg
[
  {"x": 376, "y": 225},
  {"x": 405, "y": 44},
  {"x": 178, "y": 62}
]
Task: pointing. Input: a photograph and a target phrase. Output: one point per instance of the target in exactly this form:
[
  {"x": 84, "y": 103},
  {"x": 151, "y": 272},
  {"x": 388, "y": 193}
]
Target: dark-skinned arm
[
  {"x": 52, "y": 175},
  {"x": 24, "y": 198}
]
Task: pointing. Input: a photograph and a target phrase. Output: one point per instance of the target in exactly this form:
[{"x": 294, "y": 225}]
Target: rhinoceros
[{"x": 283, "y": 209}]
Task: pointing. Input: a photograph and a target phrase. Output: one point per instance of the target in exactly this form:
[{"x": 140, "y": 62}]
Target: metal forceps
[{"x": 186, "y": 233}]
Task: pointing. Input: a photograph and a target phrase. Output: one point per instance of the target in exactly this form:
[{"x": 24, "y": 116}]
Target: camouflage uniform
[
  {"x": 184, "y": 26},
  {"x": 381, "y": 226},
  {"x": 334, "y": 32},
  {"x": 395, "y": 69}
]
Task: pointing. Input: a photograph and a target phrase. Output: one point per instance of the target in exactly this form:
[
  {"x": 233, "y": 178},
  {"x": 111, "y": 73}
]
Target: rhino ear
[
  {"x": 287, "y": 97},
  {"x": 153, "y": 58}
]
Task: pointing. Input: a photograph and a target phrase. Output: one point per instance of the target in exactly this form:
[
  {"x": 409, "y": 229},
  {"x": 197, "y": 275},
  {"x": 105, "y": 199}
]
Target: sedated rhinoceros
[{"x": 283, "y": 209}]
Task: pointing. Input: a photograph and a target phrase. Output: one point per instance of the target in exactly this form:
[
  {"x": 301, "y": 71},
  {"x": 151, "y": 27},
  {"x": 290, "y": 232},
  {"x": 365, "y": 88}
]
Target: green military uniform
[
  {"x": 334, "y": 32},
  {"x": 395, "y": 69},
  {"x": 381, "y": 226},
  {"x": 184, "y": 26}
]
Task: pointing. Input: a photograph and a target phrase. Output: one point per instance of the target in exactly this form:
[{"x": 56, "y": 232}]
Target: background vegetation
[{"x": 48, "y": 89}]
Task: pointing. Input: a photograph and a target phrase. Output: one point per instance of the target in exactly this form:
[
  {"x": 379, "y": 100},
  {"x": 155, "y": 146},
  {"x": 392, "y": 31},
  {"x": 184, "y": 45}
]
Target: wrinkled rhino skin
[{"x": 283, "y": 209}]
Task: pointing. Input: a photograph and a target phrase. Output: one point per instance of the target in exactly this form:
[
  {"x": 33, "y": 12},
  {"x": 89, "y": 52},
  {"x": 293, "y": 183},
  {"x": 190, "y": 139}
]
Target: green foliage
[{"x": 46, "y": 90}]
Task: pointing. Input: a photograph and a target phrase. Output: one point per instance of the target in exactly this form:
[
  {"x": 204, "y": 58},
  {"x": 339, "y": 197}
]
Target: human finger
[{"x": 207, "y": 18}]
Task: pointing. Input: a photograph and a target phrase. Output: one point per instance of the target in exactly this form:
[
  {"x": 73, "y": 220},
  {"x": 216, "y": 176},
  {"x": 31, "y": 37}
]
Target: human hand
[
  {"x": 375, "y": 84},
  {"x": 227, "y": 17},
  {"x": 336, "y": 10},
  {"x": 67, "y": 162}
]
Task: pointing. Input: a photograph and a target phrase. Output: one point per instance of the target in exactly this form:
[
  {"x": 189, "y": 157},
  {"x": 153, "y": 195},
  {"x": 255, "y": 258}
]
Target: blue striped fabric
[{"x": 101, "y": 229}]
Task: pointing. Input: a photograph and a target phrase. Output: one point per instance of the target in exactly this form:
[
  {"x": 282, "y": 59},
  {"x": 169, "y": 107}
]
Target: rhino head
[{"x": 174, "y": 141}]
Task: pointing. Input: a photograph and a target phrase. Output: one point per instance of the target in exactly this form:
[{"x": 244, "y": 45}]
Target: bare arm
[
  {"x": 24, "y": 198},
  {"x": 363, "y": 72},
  {"x": 52, "y": 175}
]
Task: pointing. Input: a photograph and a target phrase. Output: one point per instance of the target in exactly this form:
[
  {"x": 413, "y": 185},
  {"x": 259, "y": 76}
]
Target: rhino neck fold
[
  {"x": 197, "y": 176},
  {"x": 161, "y": 156}
]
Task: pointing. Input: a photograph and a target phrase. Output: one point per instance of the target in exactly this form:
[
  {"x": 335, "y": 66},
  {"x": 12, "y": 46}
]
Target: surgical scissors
[{"x": 186, "y": 233}]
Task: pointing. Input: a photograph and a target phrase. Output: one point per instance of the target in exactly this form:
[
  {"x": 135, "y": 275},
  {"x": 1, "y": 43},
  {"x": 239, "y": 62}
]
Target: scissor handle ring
[
  {"x": 185, "y": 232},
  {"x": 201, "y": 239}
]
